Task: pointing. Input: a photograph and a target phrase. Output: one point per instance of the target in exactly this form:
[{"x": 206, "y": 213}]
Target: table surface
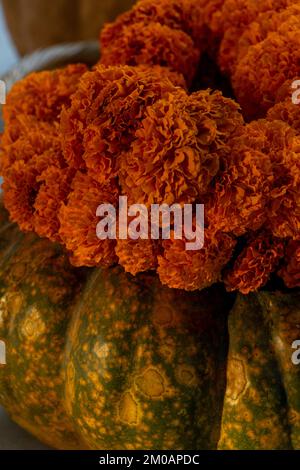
[{"x": 12, "y": 437}]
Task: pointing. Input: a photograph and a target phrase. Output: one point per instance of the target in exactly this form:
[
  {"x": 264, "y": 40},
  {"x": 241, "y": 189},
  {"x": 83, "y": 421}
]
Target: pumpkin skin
[
  {"x": 44, "y": 23},
  {"x": 100, "y": 360},
  {"x": 262, "y": 403}
]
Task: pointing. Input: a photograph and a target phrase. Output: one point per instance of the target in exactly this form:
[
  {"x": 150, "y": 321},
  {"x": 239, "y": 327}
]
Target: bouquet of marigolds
[{"x": 136, "y": 129}]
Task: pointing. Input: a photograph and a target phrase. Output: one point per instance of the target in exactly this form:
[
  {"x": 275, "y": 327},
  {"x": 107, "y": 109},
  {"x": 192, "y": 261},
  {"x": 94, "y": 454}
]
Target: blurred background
[
  {"x": 36, "y": 24},
  {"x": 8, "y": 53}
]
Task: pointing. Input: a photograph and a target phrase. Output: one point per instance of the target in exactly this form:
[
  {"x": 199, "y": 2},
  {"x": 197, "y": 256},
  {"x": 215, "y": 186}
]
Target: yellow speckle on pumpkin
[
  {"x": 128, "y": 409},
  {"x": 237, "y": 382},
  {"x": 102, "y": 350},
  {"x": 186, "y": 375},
  {"x": 151, "y": 383},
  {"x": 33, "y": 325}
]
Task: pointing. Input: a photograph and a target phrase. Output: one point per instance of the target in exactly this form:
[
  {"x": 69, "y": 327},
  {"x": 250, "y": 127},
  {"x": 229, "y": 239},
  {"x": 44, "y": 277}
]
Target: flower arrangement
[{"x": 75, "y": 138}]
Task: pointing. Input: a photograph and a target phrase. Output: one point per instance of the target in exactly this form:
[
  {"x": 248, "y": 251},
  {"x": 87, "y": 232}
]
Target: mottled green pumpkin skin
[
  {"x": 100, "y": 360},
  {"x": 262, "y": 402}
]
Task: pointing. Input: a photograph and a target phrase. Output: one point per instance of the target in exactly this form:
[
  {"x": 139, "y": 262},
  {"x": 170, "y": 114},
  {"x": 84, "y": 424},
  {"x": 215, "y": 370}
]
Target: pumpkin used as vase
[{"x": 97, "y": 359}]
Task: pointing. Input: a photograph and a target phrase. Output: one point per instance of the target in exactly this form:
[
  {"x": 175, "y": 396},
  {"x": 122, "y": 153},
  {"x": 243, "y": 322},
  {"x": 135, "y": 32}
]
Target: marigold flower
[
  {"x": 29, "y": 140},
  {"x": 78, "y": 222},
  {"x": 284, "y": 109},
  {"x": 28, "y": 149},
  {"x": 75, "y": 139},
  {"x": 154, "y": 44},
  {"x": 265, "y": 23},
  {"x": 241, "y": 23},
  {"x": 254, "y": 265},
  {"x": 137, "y": 255},
  {"x": 104, "y": 114},
  {"x": 240, "y": 196},
  {"x": 183, "y": 15},
  {"x": 284, "y": 205},
  {"x": 281, "y": 144},
  {"x": 238, "y": 21},
  {"x": 290, "y": 273},
  {"x": 240, "y": 13},
  {"x": 178, "y": 147},
  {"x": 258, "y": 76},
  {"x": 53, "y": 192},
  {"x": 43, "y": 94},
  {"x": 20, "y": 188},
  {"x": 191, "y": 270}
]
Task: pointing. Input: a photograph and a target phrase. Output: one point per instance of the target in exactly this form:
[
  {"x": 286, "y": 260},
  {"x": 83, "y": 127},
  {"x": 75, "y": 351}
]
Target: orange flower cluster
[
  {"x": 165, "y": 32},
  {"x": 75, "y": 139},
  {"x": 259, "y": 48},
  {"x": 290, "y": 272},
  {"x": 256, "y": 262},
  {"x": 31, "y": 147},
  {"x": 285, "y": 109},
  {"x": 105, "y": 112},
  {"x": 178, "y": 148}
]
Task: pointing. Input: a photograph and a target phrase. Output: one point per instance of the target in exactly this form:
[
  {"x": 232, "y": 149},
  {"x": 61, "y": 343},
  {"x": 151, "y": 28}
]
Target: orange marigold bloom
[
  {"x": 28, "y": 149},
  {"x": 281, "y": 144},
  {"x": 43, "y": 94},
  {"x": 34, "y": 142},
  {"x": 165, "y": 73},
  {"x": 284, "y": 205},
  {"x": 240, "y": 196},
  {"x": 258, "y": 76},
  {"x": 177, "y": 148},
  {"x": 191, "y": 270},
  {"x": 154, "y": 44},
  {"x": 254, "y": 265},
  {"x": 20, "y": 188},
  {"x": 183, "y": 15},
  {"x": 284, "y": 109},
  {"x": 137, "y": 255},
  {"x": 74, "y": 139},
  {"x": 265, "y": 23},
  {"x": 53, "y": 192},
  {"x": 78, "y": 222},
  {"x": 31, "y": 142},
  {"x": 240, "y": 13},
  {"x": 104, "y": 114},
  {"x": 290, "y": 273},
  {"x": 240, "y": 21}
]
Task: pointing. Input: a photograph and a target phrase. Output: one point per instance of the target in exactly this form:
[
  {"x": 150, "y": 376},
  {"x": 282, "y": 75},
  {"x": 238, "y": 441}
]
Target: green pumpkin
[
  {"x": 262, "y": 402},
  {"x": 101, "y": 360},
  {"x": 98, "y": 359}
]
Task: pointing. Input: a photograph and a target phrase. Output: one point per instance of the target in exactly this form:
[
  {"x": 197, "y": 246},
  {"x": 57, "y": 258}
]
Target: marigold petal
[
  {"x": 78, "y": 222},
  {"x": 254, "y": 265}
]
